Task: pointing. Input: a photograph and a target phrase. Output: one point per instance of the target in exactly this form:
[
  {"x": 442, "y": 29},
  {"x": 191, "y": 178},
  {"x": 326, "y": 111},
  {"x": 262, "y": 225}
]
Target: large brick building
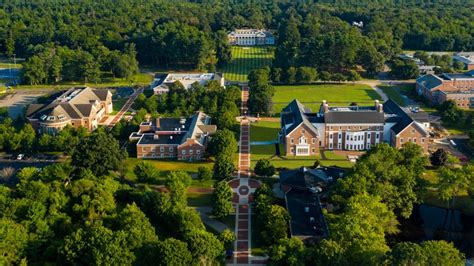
[
  {"x": 353, "y": 128},
  {"x": 457, "y": 87},
  {"x": 181, "y": 138},
  {"x": 77, "y": 107}
]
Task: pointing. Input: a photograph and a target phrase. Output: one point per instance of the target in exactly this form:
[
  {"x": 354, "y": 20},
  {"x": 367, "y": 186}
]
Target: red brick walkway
[{"x": 243, "y": 187}]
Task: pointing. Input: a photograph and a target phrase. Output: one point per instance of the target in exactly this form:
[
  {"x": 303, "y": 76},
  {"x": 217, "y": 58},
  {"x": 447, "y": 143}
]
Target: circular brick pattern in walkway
[{"x": 244, "y": 190}]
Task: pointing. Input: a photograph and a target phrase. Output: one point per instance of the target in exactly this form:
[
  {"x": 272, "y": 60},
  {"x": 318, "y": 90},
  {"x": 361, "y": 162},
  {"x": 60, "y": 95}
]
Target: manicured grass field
[
  {"x": 166, "y": 165},
  {"x": 268, "y": 131},
  {"x": 141, "y": 79},
  {"x": 312, "y": 95},
  {"x": 244, "y": 59}
]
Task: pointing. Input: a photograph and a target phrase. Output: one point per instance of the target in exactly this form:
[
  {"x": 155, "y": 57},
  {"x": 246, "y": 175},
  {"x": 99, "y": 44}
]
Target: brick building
[
  {"x": 77, "y": 107},
  {"x": 457, "y": 87},
  {"x": 180, "y": 138},
  {"x": 354, "y": 128}
]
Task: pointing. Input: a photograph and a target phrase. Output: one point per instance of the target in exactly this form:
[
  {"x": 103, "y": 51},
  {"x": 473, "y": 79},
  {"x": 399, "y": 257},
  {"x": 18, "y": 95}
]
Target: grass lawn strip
[
  {"x": 244, "y": 59},
  {"x": 312, "y": 95}
]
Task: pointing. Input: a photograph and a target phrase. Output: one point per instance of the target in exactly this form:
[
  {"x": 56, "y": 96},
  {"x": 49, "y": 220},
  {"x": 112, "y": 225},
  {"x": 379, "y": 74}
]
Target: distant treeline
[{"x": 192, "y": 34}]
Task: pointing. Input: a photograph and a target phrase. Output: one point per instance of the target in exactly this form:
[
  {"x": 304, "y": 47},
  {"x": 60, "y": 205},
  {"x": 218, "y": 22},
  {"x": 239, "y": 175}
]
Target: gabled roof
[
  {"x": 405, "y": 120},
  {"x": 429, "y": 81},
  {"x": 293, "y": 115}
]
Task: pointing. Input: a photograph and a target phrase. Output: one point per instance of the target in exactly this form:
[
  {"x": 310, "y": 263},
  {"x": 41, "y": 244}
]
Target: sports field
[
  {"x": 244, "y": 59},
  {"x": 312, "y": 95}
]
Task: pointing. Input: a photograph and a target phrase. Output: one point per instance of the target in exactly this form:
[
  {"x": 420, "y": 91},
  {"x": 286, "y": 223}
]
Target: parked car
[{"x": 20, "y": 156}]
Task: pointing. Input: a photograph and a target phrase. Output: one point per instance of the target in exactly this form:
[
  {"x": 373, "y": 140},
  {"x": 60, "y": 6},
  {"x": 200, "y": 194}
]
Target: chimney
[
  {"x": 378, "y": 106},
  {"x": 157, "y": 122},
  {"x": 325, "y": 106}
]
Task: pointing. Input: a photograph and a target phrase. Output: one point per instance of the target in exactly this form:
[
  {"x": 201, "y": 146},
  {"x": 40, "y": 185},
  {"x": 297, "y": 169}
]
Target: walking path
[
  {"x": 213, "y": 223},
  {"x": 244, "y": 187},
  {"x": 125, "y": 108}
]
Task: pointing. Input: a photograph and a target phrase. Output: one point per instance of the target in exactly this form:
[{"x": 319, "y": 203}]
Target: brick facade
[{"x": 304, "y": 139}]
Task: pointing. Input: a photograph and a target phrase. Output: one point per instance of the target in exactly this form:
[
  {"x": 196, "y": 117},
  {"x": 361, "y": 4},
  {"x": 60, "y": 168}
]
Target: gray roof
[
  {"x": 74, "y": 103},
  {"x": 354, "y": 117},
  {"x": 170, "y": 139},
  {"x": 390, "y": 107},
  {"x": 304, "y": 178},
  {"x": 293, "y": 115},
  {"x": 429, "y": 81},
  {"x": 306, "y": 216}
]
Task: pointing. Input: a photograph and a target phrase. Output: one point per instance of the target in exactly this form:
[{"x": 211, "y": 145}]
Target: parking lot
[{"x": 18, "y": 101}]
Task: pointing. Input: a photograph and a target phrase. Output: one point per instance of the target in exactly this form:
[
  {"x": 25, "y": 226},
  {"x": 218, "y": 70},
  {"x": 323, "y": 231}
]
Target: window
[
  {"x": 162, "y": 149},
  {"x": 368, "y": 135},
  {"x": 313, "y": 141},
  {"x": 409, "y": 139},
  {"x": 191, "y": 151},
  {"x": 422, "y": 140},
  {"x": 414, "y": 140},
  {"x": 313, "y": 150},
  {"x": 347, "y": 137},
  {"x": 303, "y": 131},
  {"x": 340, "y": 135},
  {"x": 292, "y": 141},
  {"x": 153, "y": 149},
  {"x": 330, "y": 135},
  {"x": 183, "y": 151},
  {"x": 401, "y": 140},
  {"x": 292, "y": 150},
  {"x": 171, "y": 149},
  {"x": 302, "y": 140},
  {"x": 330, "y": 145},
  {"x": 339, "y": 146},
  {"x": 198, "y": 151},
  {"x": 377, "y": 136},
  {"x": 330, "y": 128}
]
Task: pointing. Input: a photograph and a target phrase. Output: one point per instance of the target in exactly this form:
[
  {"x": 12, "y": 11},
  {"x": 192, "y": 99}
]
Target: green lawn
[
  {"x": 398, "y": 93},
  {"x": 199, "y": 199},
  {"x": 166, "y": 165},
  {"x": 268, "y": 131},
  {"x": 141, "y": 79},
  {"x": 264, "y": 131},
  {"x": 117, "y": 104},
  {"x": 244, "y": 59},
  {"x": 312, "y": 95}
]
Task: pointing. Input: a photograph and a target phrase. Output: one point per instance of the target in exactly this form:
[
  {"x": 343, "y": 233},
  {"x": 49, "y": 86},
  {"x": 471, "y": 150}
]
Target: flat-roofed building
[
  {"x": 251, "y": 37},
  {"x": 77, "y": 107},
  {"x": 162, "y": 82}
]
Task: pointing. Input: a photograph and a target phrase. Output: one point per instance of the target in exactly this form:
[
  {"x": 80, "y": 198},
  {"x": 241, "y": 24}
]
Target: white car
[{"x": 20, "y": 156}]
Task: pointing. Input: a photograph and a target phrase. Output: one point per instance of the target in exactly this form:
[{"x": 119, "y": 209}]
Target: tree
[
  {"x": 288, "y": 251},
  {"x": 227, "y": 237},
  {"x": 439, "y": 157},
  {"x": 223, "y": 166},
  {"x": 222, "y": 200},
  {"x": 223, "y": 142},
  {"x": 264, "y": 167},
  {"x": 168, "y": 252},
  {"x": 98, "y": 152},
  {"x": 145, "y": 172},
  {"x": 98, "y": 245},
  {"x": 361, "y": 229},
  {"x": 261, "y": 91},
  {"x": 33, "y": 71},
  {"x": 136, "y": 227},
  {"x": 276, "y": 74},
  {"x": 204, "y": 246},
  {"x": 451, "y": 181},
  {"x": 404, "y": 69},
  {"x": 204, "y": 173},
  {"x": 450, "y": 112},
  {"x": 407, "y": 253},
  {"x": 14, "y": 241},
  {"x": 442, "y": 253},
  {"x": 327, "y": 252},
  {"x": 306, "y": 74},
  {"x": 291, "y": 75},
  {"x": 274, "y": 221}
]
